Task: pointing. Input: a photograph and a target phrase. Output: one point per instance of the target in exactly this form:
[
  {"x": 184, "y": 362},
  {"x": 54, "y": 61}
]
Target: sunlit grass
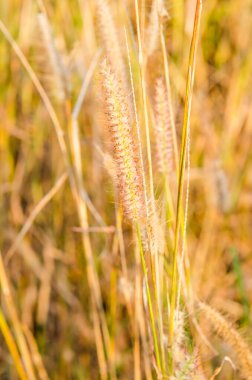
[{"x": 125, "y": 189}]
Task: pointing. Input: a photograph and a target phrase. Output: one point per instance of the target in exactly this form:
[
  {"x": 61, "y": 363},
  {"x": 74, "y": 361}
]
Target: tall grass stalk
[
  {"x": 18, "y": 331},
  {"x": 149, "y": 299},
  {"x": 137, "y": 336},
  {"x": 175, "y": 144},
  {"x": 156, "y": 283},
  {"x": 152, "y": 208},
  {"x": 186, "y": 127}
]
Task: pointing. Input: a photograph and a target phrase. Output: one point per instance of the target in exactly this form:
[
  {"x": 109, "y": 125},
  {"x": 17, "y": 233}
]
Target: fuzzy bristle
[
  {"x": 162, "y": 129},
  {"x": 180, "y": 333},
  {"x": 109, "y": 36},
  {"x": 118, "y": 120},
  {"x": 157, "y": 12},
  {"x": 54, "y": 71}
]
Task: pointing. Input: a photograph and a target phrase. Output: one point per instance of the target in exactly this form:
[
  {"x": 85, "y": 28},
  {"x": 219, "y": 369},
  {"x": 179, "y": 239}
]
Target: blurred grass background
[{"x": 48, "y": 272}]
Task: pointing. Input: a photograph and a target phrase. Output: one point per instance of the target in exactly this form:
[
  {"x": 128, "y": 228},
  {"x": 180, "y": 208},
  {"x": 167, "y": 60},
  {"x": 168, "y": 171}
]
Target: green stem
[
  {"x": 152, "y": 320},
  {"x": 186, "y": 125}
]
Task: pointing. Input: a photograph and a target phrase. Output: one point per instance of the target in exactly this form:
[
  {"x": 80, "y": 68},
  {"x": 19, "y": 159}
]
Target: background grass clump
[{"x": 125, "y": 189}]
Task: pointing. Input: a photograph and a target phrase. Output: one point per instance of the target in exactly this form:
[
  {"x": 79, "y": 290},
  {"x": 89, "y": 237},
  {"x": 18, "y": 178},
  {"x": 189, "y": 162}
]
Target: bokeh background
[{"x": 47, "y": 268}]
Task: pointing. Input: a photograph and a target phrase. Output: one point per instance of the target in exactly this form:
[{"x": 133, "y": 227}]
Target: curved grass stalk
[
  {"x": 48, "y": 105},
  {"x": 42, "y": 93},
  {"x": 37, "y": 209},
  {"x": 85, "y": 84},
  {"x": 51, "y": 60}
]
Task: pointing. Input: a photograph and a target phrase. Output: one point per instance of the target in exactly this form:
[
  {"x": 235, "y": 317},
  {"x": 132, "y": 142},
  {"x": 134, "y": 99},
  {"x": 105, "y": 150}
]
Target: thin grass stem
[
  {"x": 148, "y": 293},
  {"x": 12, "y": 347},
  {"x": 186, "y": 126},
  {"x": 21, "y": 341}
]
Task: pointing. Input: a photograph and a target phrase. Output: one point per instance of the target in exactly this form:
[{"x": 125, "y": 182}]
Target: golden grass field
[{"x": 125, "y": 189}]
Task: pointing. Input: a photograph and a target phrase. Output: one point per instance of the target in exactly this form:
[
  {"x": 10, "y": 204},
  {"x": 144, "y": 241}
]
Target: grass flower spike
[
  {"x": 118, "y": 119},
  {"x": 163, "y": 133}
]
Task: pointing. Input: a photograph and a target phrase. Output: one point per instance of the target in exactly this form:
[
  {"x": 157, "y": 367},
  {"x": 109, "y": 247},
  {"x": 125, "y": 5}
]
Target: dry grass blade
[
  {"x": 55, "y": 72},
  {"x": 12, "y": 347},
  {"x": 218, "y": 370},
  {"x": 38, "y": 208},
  {"x": 104, "y": 230},
  {"x": 51, "y": 112},
  {"x": 85, "y": 85},
  {"x": 40, "y": 90},
  {"x": 18, "y": 331},
  {"x": 37, "y": 360}
]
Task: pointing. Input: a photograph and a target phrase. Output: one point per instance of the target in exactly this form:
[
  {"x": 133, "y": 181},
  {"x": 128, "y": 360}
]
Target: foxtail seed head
[
  {"x": 229, "y": 335},
  {"x": 162, "y": 129},
  {"x": 118, "y": 120}
]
